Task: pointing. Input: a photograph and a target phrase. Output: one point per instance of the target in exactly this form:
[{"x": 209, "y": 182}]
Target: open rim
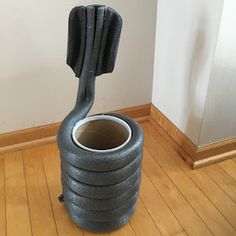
[{"x": 101, "y": 117}]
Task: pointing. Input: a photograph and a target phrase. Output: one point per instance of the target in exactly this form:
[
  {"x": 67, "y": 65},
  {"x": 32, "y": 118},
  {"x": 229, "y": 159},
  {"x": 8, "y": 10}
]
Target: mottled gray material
[
  {"x": 100, "y": 204},
  {"x": 104, "y": 216},
  {"x": 101, "y": 226},
  {"x": 101, "y": 177},
  {"x": 100, "y": 189},
  {"x": 100, "y": 192}
]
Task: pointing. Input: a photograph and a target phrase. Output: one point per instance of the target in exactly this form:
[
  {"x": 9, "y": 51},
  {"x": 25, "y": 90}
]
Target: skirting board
[
  {"x": 31, "y": 137},
  {"x": 194, "y": 155}
]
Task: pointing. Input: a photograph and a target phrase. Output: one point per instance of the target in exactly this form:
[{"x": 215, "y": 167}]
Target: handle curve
[{"x": 93, "y": 39}]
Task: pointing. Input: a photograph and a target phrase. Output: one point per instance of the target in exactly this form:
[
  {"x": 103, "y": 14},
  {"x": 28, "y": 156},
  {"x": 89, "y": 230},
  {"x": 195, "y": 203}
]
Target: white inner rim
[{"x": 80, "y": 123}]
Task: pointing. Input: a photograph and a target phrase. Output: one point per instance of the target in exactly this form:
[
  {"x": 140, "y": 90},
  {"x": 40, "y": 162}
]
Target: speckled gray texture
[
  {"x": 100, "y": 204},
  {"x": 101, "y": 177},
  {"x": 97, "y": 191},
  {"x": 100, "y": 189}
]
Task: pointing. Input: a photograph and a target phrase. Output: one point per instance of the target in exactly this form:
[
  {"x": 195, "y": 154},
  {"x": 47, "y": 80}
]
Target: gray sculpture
[{"x": 100, "y": 155}]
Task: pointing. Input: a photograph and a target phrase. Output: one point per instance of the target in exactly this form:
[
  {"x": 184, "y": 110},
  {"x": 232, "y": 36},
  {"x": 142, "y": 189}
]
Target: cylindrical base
[{"x": 101, "y": 173}]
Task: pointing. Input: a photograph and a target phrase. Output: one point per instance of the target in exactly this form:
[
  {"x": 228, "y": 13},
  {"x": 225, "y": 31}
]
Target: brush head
[{"x": 93, "y": 39}]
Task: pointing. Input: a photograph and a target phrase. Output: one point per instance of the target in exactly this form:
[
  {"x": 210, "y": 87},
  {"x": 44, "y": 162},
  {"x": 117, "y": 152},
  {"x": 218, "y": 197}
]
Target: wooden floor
[{"x": 174, "y": 200}]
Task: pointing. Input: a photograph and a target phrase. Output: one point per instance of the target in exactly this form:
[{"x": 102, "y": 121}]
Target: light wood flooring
[{"x": 174, "y": 200}]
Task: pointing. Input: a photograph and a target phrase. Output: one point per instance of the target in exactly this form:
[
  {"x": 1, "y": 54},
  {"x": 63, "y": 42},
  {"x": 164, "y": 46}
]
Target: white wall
[
  {"x": 219, "y": 120},
  {"x": 185, "y": 42},
  {"x": 36, "y": 86}
]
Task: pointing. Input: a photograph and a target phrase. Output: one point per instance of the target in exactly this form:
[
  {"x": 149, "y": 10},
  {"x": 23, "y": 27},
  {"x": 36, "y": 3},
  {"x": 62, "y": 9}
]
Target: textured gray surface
[
  {"x": 100, "y": 192},
  {"x": 100, "y": 204},
  {"x": 100, "y": 189},
  {"x": 102, "y": 226},
  {"x": 101, "y": 177}
]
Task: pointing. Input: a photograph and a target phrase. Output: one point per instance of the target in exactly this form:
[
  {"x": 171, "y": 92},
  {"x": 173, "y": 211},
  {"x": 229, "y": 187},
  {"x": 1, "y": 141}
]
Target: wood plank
[
  {"x": 170, "y": 162},
  {"x": 142, "y": 223},
  {"x": 215, "y": 194},
  {"x": 230, "y": 167},
  {"x": 225, "y": 181},
  {"x": 185, "y": 214},
  {"x": 2, "y": 198},
  {"x": 17, "y": 211},
  {"x": 157, "y": 208},
  {"x": 42, "y": 219},
  {"x": 181, "y": 234},
  {"x": 87, "y": 233},
  {"x": 51, "y": 164},
  {"x": 126, "y": 230}
]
